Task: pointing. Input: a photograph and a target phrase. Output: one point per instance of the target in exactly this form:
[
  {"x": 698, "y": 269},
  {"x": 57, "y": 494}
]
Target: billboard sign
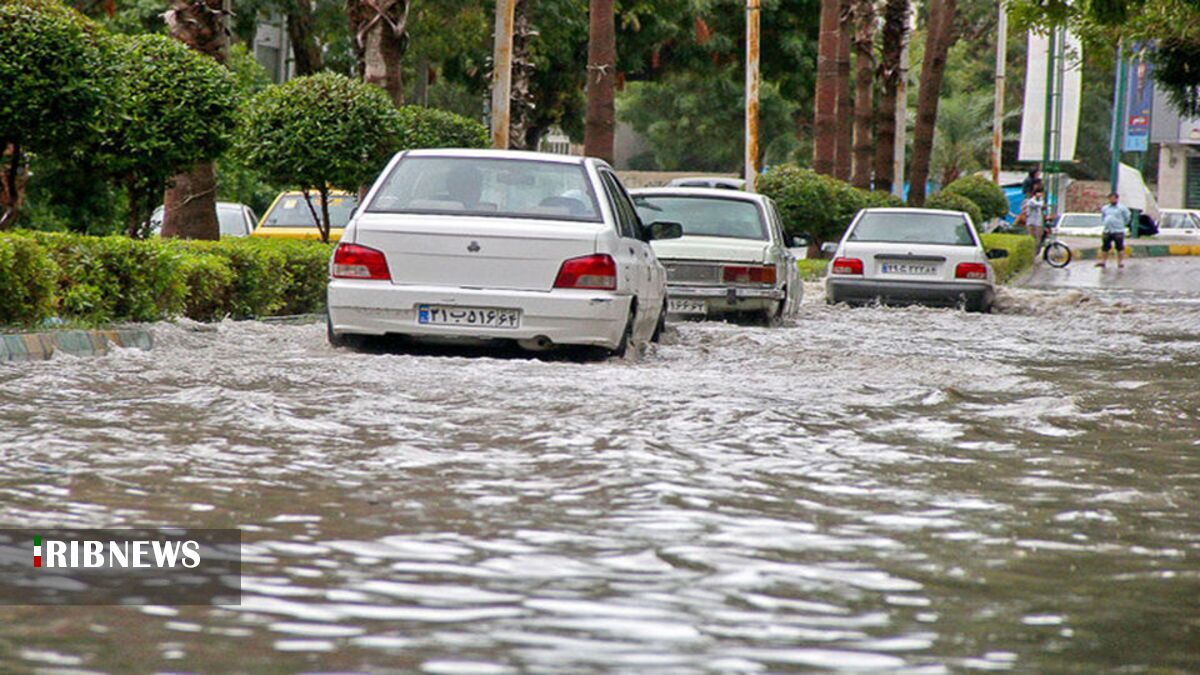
[{"x": 1139, "y": 103}]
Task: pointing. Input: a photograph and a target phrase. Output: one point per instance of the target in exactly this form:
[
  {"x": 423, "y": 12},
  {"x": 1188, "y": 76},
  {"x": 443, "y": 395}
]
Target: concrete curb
[
  {"x": 42, "y": 346},
  {"x": 1144, "y": 251}
]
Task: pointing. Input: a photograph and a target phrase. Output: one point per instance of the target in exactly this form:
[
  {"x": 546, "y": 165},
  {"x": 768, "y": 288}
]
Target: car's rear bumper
[
  {"x": 941, "y": 294},
  {"x": 565, "y": 317},
  {"x": 723, "y": 299}
]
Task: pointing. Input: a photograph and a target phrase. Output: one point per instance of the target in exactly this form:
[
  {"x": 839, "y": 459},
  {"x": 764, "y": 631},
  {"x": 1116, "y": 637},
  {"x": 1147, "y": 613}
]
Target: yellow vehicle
[{"x": 290, "y": 217}]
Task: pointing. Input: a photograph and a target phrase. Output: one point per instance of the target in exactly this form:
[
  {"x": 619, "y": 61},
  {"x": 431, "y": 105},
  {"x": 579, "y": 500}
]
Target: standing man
[
  {"x": 1034, "y": 210},
  {"x": 1115, "y": 217}
]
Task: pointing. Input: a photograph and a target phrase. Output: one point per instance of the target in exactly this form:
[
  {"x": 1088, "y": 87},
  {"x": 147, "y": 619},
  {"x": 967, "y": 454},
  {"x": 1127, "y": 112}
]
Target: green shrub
[
  {"x": 422, "y": 127},
  {"x": 322, "y": 131},
  {"x": 953, "y": 202},
  {"x": 27, "y": 277},
  {"x": 988, "y": 196},
  {"x": 307, "y": 267},
  {"x": 812, "y": 269},
  {"x": 811, "y": 203},
  {"x": 106, "y": 279},
  {"x": 1021, "y": 249},
  {"x": 101, "y": 280}
]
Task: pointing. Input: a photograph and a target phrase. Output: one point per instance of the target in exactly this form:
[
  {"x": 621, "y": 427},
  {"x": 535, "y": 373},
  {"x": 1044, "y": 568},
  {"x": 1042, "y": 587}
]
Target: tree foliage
[
  {"x": 319, "y": 132},
  {"x": 988, "y": 196},
  {"x": 817, "y": 205},
  {"x": 170, "y": 108},
  {"x": 422, "y": 127},
  {"x": 950, "y": 201}
]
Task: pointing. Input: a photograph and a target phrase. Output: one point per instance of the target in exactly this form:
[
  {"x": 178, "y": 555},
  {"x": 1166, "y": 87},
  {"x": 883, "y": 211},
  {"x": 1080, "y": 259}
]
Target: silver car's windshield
[
  {"x": 472, "y": 186},
  {"x": 913, "y": 228},
  {"x": 705, "y": 216},
  {"x": 232, "y": 221}
]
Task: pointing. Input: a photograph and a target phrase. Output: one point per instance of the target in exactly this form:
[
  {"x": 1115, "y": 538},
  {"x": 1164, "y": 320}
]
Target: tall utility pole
[
  {"x": 502, "y": 73},
  {"x": 753, "y": 79},
  {"x": 601, "y": 123},
  {"x": 998, "y": 112},
  {"x": 1118, "y": 119}
]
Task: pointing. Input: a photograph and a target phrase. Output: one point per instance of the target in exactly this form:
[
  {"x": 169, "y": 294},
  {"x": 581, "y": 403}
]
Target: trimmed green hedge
[
  {"x": 813, "y": 204},
  {"x": 952, "y": 202},
  {"x": 1021, "y": 249},
  {"x": 988, "y": 196},
  {"x": 110, "y": 279}
]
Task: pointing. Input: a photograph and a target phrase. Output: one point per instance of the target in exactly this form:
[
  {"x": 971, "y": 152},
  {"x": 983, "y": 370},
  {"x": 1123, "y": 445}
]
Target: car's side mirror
[
  {"x": 661, "y": 229},
  {"x": 829, "y": 247},
  {"x": 997, "y": 253}
]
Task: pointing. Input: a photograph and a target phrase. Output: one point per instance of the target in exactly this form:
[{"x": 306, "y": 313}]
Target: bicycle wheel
[{"x": 1057, "y": 254}]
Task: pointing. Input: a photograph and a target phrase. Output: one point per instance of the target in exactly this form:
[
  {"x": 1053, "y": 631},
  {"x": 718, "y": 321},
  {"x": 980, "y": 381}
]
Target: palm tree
[
  {"x": 825, "y": 114},
  {"x": 190, "y": 202},
  {"x": 845, "y": 99},
  {"x": 941, "y": 35},
  {"x": 864, "y": 48},
  {"x": 380, "y": 29},
  {"x": 963, "y": 142},
  {"x": 895, "y": 32},
  {"x": 600, "y": 125}
]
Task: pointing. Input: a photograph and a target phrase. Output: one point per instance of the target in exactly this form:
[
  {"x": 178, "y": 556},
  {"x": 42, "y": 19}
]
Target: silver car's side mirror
[{"x": 829, "y": 247}]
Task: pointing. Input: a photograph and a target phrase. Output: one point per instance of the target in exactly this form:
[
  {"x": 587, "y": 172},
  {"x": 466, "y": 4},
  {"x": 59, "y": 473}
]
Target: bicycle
[{"x": 1054, "y": 252}]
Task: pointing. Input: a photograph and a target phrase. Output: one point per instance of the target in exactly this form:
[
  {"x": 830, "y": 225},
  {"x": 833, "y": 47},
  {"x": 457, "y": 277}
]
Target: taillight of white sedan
[
  {"x": 475, "y": 246},
  {"x": 906, "y": 256}
]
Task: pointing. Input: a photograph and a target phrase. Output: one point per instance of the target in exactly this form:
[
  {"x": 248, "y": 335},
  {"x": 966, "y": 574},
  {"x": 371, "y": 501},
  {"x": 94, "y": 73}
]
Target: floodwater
[{"x": 900, "y": 489}]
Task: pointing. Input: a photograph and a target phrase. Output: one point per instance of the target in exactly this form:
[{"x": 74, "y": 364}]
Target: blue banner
[{"x": 1139, "y": 101}]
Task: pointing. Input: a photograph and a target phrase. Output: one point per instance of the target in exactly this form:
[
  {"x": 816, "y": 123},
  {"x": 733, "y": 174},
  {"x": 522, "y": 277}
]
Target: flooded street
[{"x": 863, "y": 489}]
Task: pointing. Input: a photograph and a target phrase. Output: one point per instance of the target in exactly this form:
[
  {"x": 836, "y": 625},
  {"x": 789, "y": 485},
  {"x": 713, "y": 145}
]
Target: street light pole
[
  {"x": 502, "y": 73},
  {"x": 753, "y": 81},
  {"x": 998, "y": 112},
  {"x": 1118, "y": 118}
]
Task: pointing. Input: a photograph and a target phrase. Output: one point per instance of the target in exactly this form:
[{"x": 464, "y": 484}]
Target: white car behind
[
  {"x": 733, "y": 258},
  {"x": 1079, "y": 225},
  {"x": 477, "y": 246},
  {"x": 912, "y": 256},
  {"x": 1179, "y": 223}
]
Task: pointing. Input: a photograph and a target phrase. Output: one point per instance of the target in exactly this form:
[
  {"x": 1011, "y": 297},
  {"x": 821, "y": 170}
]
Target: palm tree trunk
[
  {"x": 825, "y": 106},
  {"x": 190, "y": 202},
  {"x": 895, "y": 29},
  {"x": 864, "y": 48},
  {"x": 845, "y": 97},
  {"x": 13, "y": 176},
  {"x": 600, "y": 125},
  {"x": 933, "y": 69},
  {"x": 306, "y": 54},
  {"x": 521, "y": 122},
  {"x": 380, "y": 29}
]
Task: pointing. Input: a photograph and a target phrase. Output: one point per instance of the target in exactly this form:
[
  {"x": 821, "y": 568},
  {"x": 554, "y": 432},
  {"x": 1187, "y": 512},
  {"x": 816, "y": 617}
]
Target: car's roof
[
  {"x": 912, "y": 209},
  {"x": 498, "y": 154},
  {"x": 711, "y": 193},
  {"x": 1081, "y": 213},
  {"x": 1179, "y": 210}
]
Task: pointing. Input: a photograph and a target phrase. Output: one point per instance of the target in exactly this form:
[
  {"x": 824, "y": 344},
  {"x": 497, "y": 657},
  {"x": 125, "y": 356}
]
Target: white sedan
[
  {"x": 1079, "y": 225},
  {"x": 1178, "y": 223},
  {"x": 906, "y": 256},
  {"x": 477, "y": 245},
  {"x": 733, "y": 258}
]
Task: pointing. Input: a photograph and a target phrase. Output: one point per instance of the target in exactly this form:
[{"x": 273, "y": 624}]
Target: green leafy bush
[
  {"x": 1021, "y": 249},
  {"x": 101, "y": 280},
  {"x": 422, "y": 127},
  {"x": 322, "y": 132},
  {"x": 988, "y": 196},
  {"x": 818, "y": 205},
  {"x": 27, "y": 277},
  {"x": 952, "y": 202},
  {"x": 171, "y": 107},
  {"x": 48, "y": 61},
  {"x": 105, "y": 279}
]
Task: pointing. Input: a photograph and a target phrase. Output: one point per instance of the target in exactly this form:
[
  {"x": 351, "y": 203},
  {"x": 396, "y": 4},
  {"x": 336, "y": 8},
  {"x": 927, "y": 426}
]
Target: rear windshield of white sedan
[
  {"x": 471, "y": 186},
  {"x": 705, "y": 216},
  {"x": 1081, "y": 220},
  {"x": 913, "y": 228}
]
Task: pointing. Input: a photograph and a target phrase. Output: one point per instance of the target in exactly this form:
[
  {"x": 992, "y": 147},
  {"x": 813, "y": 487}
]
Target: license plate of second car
[
  {"x": 686, "y": 307},
  {"x": 480, "y": 317},
  {"x": 910, "y": 269}
]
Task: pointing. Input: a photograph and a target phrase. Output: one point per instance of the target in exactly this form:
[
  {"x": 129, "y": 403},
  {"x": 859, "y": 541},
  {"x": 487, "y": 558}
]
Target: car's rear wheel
[
  {"x": 661, "y": 326},
  {"x": 341, "y": 340},
  {"x": 772, "y": 316}
]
